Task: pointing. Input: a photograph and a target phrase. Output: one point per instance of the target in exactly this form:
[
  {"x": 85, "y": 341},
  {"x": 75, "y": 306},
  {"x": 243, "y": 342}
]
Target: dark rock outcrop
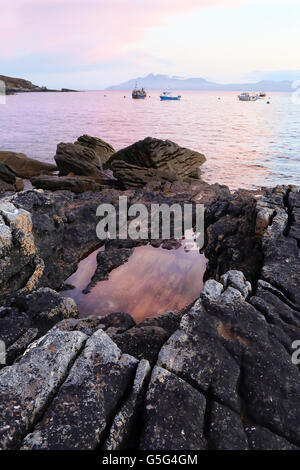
[
  {"x": 85, "y": 157},
  {"x": 7, "y": 179},
  {"x": 44, "y": 236},
  {"x": 153, "y": 159},
  {"x": 101, "y": 148},
  {"x": 26, "y": 385},
  {"x": 25, "y": 167},
  {"x": 80, "y": 167},
  {"x": 78, "y": 160},
  {"x": 30, "y": 316},
  {"x": 88, "y": 398},
  {"x": 76, "y": 184},
  {"x": 6, "y": 175},
  {"x": 222, "y": 375},
  {"x": 133, "y": 176}
]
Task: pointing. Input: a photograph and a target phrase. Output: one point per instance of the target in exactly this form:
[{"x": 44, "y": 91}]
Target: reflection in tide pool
[{"x": 153, "y": 281}]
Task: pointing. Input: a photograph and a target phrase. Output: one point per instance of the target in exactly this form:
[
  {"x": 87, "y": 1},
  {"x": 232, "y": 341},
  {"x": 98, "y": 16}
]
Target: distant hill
[
  {"x": 15, "y": 85},
  {"x": 162, "y": 82},
  {"x": 17, "y": 82}
]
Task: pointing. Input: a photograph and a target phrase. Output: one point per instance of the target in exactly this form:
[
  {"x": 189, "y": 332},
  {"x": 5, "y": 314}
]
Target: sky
[{"x": 91, "y": 44}]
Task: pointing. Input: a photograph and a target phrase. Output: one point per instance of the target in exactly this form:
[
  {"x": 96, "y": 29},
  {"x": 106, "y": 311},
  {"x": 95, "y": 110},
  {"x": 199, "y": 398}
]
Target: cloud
[{"x": 86, "y": 31}]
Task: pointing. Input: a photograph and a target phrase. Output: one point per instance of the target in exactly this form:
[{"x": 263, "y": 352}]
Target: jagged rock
[
  {"x": 210, "y": 367},
  {"x": 79, "y": 160},
  {"x": 174, "y": 417},
  {"x": 17, "y": 250},
  {"x": 26, "y": 385},
  {"x": 133, "y": 176},
  {"x": 30, "y": 316},
  {"x": 124, "y": 430},
  {"x": 281, "y": 266},
  {"x": 25, "y": 167},
  {"x": 237, "y": 280},
  {"x": 56, "y": 231},
  {"x": 212, "y": 289},
  {"x": 232, "y": 241},
  {"x": 101, "y": 148},
  {"x": 79, "y": 414},
  {"x": 153, "y": 159},
  {"x": 63, "y": 229}
]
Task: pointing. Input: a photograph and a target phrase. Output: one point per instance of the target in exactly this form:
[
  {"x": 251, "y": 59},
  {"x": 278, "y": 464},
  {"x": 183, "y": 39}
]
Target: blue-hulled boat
[{"x": 167, "y": 96}]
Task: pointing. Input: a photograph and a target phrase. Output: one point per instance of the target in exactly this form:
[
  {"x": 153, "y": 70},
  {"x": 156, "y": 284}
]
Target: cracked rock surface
[{"x": 217, "y": 375}]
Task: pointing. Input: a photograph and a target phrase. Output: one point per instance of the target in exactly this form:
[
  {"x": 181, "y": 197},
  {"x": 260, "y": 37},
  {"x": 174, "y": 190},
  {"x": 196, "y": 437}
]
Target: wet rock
[
  {"x": 25, "y": 167},
  {"x": 86, "y": 402},
  {"x": 154, "y": 159},
  {"x": 174, "y": 416},
  {"x": 124, "y": 432},
  {"x": 26, "y": 385},
  {"x": 101, "y": 148}
]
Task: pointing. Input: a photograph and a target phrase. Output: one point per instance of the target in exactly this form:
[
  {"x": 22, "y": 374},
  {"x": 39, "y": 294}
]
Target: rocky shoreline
[
  {"x": 216, "y": 375},
  {"x": 19, "y": 85}
]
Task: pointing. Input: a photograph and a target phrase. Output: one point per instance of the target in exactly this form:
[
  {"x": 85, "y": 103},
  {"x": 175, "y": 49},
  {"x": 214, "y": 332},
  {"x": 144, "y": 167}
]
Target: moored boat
[
  {"x": 138, "y": 93},
  {"x": 248, "y": 96},
  {"x": 167, "y": 95}
]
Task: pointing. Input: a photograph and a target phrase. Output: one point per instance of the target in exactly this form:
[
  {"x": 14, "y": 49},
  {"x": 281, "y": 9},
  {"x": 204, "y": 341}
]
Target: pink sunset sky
[{"x": 92, "y": 44}]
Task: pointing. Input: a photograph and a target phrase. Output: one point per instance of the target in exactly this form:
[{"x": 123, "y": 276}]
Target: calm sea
[{"x": 246, "y": 144}]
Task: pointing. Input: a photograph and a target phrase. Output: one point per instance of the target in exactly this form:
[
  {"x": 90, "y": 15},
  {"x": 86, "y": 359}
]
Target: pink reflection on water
[
  {"x": 153, "y": 281},
  {"x": 246, "y": 144}
]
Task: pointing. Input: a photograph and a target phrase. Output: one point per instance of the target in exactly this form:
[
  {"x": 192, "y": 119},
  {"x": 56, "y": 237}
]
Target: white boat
[{"x": 248, "y": 96}]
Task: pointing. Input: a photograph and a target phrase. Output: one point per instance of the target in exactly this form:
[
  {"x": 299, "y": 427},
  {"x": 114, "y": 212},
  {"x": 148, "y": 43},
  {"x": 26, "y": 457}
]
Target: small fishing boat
[
  {"x": 248, "y": 96},
  {"x": 138, "y": 93},
  {"x": 167, "y": 96},
  {"x": 262, "y": 94}
]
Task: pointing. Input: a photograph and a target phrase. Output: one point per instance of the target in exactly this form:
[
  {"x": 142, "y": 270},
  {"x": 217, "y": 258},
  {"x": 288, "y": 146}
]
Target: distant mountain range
[{"x": 162, "y": 82}]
